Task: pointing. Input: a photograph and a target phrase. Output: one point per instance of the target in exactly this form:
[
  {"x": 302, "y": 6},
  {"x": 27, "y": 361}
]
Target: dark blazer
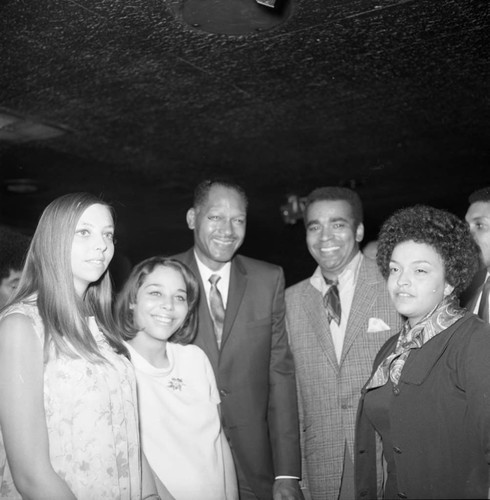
[
  {"x": 254, "y": 371},
  {"x": 440, "y": 420}
]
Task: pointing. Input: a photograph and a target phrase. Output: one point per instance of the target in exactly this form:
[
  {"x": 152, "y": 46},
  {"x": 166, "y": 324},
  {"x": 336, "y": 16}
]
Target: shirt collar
[
  {"x": 347, "y": 275},
  {"x": 206, "y": 272}
]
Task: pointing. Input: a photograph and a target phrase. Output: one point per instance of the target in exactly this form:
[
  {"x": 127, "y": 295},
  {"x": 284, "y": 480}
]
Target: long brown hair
[{"x": 48, "y": 275}]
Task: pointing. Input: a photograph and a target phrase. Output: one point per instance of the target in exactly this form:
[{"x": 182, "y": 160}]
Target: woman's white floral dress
[{"x": 92, "y": 422}]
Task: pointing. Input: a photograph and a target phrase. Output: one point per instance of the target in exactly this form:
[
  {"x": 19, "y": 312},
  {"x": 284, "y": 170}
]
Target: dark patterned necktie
[
  {"x": 331, "y": 301},
  {"x": 217, "y": 307},
  {"x": 483, "y": 309}
]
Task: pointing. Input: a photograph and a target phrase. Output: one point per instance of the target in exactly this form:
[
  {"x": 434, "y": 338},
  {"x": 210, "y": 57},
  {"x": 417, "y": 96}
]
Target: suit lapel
[
  {"x": 238, "y": 284},
  {"x": 313, "y": 304},
  {"x": 206, "y": 333},
  {"x": 470, "y": 306},
  {"x": 421, "y": 361},
  {"x": 362, "y": 303},
  {"x": 470, "y": 296}
]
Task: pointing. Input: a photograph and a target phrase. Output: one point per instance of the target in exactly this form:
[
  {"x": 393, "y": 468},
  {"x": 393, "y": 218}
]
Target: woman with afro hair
[{"x": 429, "y": 393}]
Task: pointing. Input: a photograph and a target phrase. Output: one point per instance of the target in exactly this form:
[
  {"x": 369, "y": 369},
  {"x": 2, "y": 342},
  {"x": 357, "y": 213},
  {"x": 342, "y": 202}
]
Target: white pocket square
[{"x": 377, "y": 325}]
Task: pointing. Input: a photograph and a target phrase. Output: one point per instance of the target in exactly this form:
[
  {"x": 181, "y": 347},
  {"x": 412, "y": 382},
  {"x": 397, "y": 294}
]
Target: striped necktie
[
  {"x": 331, "y": 301},
  {"x": 217, "y": 307}
]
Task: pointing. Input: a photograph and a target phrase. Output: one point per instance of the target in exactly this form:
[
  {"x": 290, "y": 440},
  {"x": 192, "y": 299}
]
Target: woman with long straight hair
[{"x": 68, "y": 413}]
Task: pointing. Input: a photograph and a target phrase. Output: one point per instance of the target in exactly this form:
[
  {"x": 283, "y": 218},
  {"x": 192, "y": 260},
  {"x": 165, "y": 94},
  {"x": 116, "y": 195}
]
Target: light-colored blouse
[
  {"x": 180, "y": 425},
  {"x": 92, "y": 421}
]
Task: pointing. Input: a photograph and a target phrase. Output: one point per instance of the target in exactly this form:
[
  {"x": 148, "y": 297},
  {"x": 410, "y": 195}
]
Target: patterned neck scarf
[{"x": 440, "y": 318}]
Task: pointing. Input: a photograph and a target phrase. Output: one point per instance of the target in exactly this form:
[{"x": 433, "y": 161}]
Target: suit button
[
  {"x": 223, "y": 393},
  {"x": 397, "y": 450}
]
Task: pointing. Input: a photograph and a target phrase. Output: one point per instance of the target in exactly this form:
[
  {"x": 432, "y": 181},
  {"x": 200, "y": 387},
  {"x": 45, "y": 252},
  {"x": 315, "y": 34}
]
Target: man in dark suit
[
  {"x": 476, "y": 297},
  {"x": 242, "y": 330}
]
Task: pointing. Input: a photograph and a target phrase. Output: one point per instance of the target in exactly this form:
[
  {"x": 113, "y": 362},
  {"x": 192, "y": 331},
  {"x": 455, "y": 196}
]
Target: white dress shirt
[
  {"x": 477, "y": 305},
  {"x": 222, "y": 285}
]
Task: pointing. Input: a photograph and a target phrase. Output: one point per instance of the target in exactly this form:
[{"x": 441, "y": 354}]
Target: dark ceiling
[{"x": 387, "y": 96}]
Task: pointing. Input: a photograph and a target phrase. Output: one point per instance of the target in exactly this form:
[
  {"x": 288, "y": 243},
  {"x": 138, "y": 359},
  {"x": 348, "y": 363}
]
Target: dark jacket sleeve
[
  {"x": 475, "y": 380},
  {"x": 283, "y": 407},
  {"x": 365, "y": 460}
]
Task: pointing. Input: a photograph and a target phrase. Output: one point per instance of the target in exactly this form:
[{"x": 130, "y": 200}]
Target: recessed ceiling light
[
  {"x": 21, "y": 186},
  {"x": 17, "y": 128},
  {"x": 234, "y": 17}
]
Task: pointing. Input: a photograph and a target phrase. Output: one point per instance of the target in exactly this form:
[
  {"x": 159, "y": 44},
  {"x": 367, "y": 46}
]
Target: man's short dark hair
[
  {"x": 201, "y": 191},
  {"x": 482, "y": 194},
  {"x": 334, "y": 193},
  {"x": 13, "y": 250}
]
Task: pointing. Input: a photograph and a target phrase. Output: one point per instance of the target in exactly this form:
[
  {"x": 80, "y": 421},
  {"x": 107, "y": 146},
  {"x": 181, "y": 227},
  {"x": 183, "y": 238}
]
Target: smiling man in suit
[
  {"x": 242, "y": 330},
  {"x": 477, "y": 297},
  {"x": 337, "y": 321}
]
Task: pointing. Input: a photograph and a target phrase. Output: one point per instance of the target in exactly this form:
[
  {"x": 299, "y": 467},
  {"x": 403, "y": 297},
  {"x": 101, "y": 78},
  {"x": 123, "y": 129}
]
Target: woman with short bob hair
[
  {"x": 428, "y": 396},
  {"x": 178, "y": 398},
  {"x": 124, "y": 313},
  {"x": 69, "y": 428}
]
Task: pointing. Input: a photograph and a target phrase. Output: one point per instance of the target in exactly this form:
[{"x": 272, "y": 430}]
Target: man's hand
[{"x": 286, "y": 489}]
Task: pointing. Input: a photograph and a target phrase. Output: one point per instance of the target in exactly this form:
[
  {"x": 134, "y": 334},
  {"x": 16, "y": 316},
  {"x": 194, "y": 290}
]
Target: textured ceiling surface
[{"x": 389, "y": 96}]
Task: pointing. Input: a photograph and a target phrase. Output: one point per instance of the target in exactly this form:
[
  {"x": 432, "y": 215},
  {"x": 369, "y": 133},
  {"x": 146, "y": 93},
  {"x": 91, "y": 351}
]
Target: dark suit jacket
[
  {"x": 470, "y": 295},
  {"x": 440, "y": 419},
  {"x": 254, "y": 371}
]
